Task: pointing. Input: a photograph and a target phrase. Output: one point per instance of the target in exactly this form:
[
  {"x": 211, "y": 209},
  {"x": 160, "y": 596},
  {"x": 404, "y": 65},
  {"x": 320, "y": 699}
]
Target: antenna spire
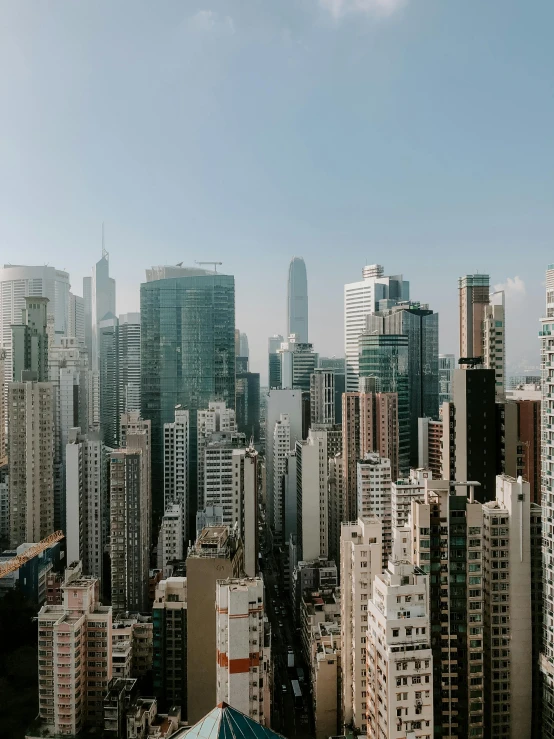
[{"x": 104, "y": 252}]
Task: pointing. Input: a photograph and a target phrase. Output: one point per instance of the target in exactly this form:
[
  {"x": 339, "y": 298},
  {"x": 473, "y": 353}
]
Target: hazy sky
[{"x": 417, "y": 134}]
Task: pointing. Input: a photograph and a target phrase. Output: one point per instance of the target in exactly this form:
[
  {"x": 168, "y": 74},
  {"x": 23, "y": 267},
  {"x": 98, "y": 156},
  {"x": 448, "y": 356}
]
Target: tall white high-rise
[
  {"x": 128, "y": 362},
  {"x": 360, "y": 299},
  {"x": 297, "y": 300},
  {"x": 76, "y": 322},
  {"x": 374, "y": 495},
  {"x": 218, "y": 472},
  {"x": 176, "y": 462},
  {"x": 312, "y": 516},
  {"x": 216, "y": 417},
  {"x": 18, "y": 282},
  {"x": 281, "y": 450},
  {"x": 245, "y": 503},
  {"x": 171, "y": 539}
]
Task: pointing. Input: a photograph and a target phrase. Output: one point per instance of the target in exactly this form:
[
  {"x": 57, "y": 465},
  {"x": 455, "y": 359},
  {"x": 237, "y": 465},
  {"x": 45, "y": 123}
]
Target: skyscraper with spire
[{"x": 297, "y": 301}]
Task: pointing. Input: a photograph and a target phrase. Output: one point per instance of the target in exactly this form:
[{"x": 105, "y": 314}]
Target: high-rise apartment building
[
  {"x": 361, "y": 299},
  {"x": 281, "y": 450},
  {"x": 430, "y": 441},
  {"x": 128, "y": 362},
  {"x": 188, "y": 325},
  {"x": 322, "y": 397},
  {"x": 31, "y": 461},
  {"x": 169, "y": 617},
  {"x": 106, "y": 343},
  {"x": 216, "y": 555},
  {"x": 245, "y": 504},
  {"x": 176, "y": 460},
  {"x": 474, "y": 298},
  {"x": 374, "y": 496},
  {"x": 494, "y": 344},
  {"x": 447, "y": 365},
  {"x": 75, "y": 656},
  {"x": 30, "y": 342},
  {"x": 247, "y": 403},
  {"x": 243, "y": 648},
  {"x": 76, "y": 321},
  {"x": 217, "y": 417},
  {"x": 297, "y": 300},
  {"x": 360, "y": 562},
  {"x": 402, "y": 494},
  {"x": 399, "y": 696},
  {"x": 298, "y": 362},
  {"x": 312, "y": 517},
  {"x": 274, "y": 361},
  {"x": 129, "y": 528},
  {"x": 421, "y": 326},
  {"x": 18, "y": 282},
  {"x": 218, "y": 473},
  {"x": 171, "y": 539},
  {"x": 336, "y": 504},
  {"x": 338, "y": 366}
]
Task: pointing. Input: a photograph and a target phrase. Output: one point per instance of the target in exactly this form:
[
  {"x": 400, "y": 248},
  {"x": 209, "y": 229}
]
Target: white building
[
  {"x": 374, "y": 495},
  {"x": 218, "y": 473},
  {"x": 217, "y": 417},
  {"x": 128, "y": 350},
  {"x": 298, "y": 361},
  {"x": 494, "y": 344},
  {"x": 399, "y": 695},
  {"x": 312, "y": 516},
  {"x": 403, "y": 492},
  {"x": 360, "y": 562},
  {"x": 281, "y": 450},
  {"x": 245, "y": 504},
  {"x": 176, "y": 463},
  {"x": 76, "y": 322},
  {"x": 361, "y": 298},
  {"x": 243, "y": 664},
  {"x": 171, "y": 539},
  {"x": 280, "y": 402}
]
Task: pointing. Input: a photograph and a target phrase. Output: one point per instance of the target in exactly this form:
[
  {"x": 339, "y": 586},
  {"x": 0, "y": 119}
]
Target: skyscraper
[
  {"x": 76, "y": 323},
  {"x": 298, "y": 361},
  {"x": 322, "y": 397},
  {"x": 188, "y": 325},
  {"x": 176, "y": 462},
  {"x": 128, "y": 363},
  {"x": 30, "y": 342},
  {"x": 274, "y": 361},
  {"x": 108, "y": 375},
  {"x": 447, "y": 365},
  {"x": 297, "y": 300},
  {"x": 101, "y": 294},
  {"x": 360, "y": 299},
  {"x": 474, "y": 297}
]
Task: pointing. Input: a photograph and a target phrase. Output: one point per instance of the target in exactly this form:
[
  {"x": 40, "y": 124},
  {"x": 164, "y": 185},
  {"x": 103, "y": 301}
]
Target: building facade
[{"x": 297, "y": 300}]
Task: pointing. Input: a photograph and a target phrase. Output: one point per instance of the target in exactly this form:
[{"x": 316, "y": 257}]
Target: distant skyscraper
[
  {"x": 30, "y": 342},
  {"x": 76, "y": 324},
  {"x": 297, "y": 300},
  {"x": 188, "y": 327},
  {"x": 360, "y": 299},
  {"x": 247, "y": 396},
  {"x": 274, "y": 361},
  {"x": 447, "y": 365},
  {"x": 102, "y": 297},
  {"x": 298, "y": 361},
  {"x": 108, "y": 375},
  {"x": 474, "y": 297},
  {"x": 243, "y": 346},
  {"x": 128, "y": 349}
]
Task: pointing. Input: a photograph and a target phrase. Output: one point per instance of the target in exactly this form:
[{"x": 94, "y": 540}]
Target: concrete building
[
  {"x": 76, "y": 319},
  {"x": 176, "y": 461},
  {"x": 243, "y": 648},
  {"x": 75, "y": 656},
  {"x": 87, "y": 524},
  {"x": 171, "y": 539},
  {"x": 290, "y": 497},
  {"x": 128, "y": 363},
  {"x": 274, "y": 361},
  {"x": 4, "y": 504},
  {"x": 494, "y": 344},
  {"x": 399, "y": 696},
  {"x": 297, "y": 300},
  {"x": 336, "y": 504},
  {"x": 447, "y": 365},
  {"x": 30, "y": 342},
  {"x": 474, "y": 298},
  {"x": 430, "y": 440},
  {"x": 281, "y": 451},
  {"x": 106, "y": 347},
  {"x": 402, "y": 494},
  {"x": 374, "y": 496},
  {"x": 322, "y": 397},
  {"x": 134, "y": 630},
  {"x": 217, "y": 554},
  {"x": 129, "y": 529},
  {"x": 31, "y": 461},
  {"x": 325, "y": 664},
  {"x": 169, "y": 618},
  {"x": 245, "y": 501},
  {"x": 360, "y": 299},
  {"x": 298, "y": 362},
  {"x": 312, "y": 516},
  {"x": 214, "y": 419},
  {"x": 338, "y": 366},
  {"x": 247, "y": 401},
  {"x": 317, "y": 607},
  {"x": 210, "y": 516},
  {"x": 280, "y": 402},
  {"x": 318, "y": 575},
  {"x": 360, "y": 562},
  {"x": 218, "y": 472}
]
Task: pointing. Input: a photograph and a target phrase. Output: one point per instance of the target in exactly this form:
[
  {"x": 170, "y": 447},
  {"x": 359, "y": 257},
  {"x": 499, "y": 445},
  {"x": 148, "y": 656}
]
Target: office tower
[
  {"x": 128, "y": 362},
  {"x": 360, "y": 299},
  {"x": 176, "y": 461},
  {"x": 384, "y": 359},
  {"x": 360, "y": 562},
  {"x": 76, "y": 666},
  {"x": 169, "y": 618},
  {"x": 374, "y": 496},
  {"x": 338, "y": 366},
  {"x": 243, "y": 650},
  {"x": 99, "y": 304},
  {"x": 297, "y": 300},
  {"x": 494, "y": 344},
  {"x": 274, "y": 361},
  {"x": 247, "y": 402},
  {"x": 237, "y": 343},
  {"x": 281, "y": 450},
  {"x": 171, "y": 539},
  {"x": 218, "y": 473},
  {"x": 322, "y": 397},
  {"x": 106, "y": 340},
  {"x": 399, "y": 657},
  {"x": 87, "y": 521},
  {"x": 30, "y": 342},
  {"x": 429, "y": 439},
  {"x": 447, "y": 365},
  {"x": 216, "y": 555},
  {"x": 188, "y": 325},
  {"x": 471, "y": 440},
  {"x": 298, "y": 362},
  {"x": 312, "y": 518},
  {"x": 286, "y": 402},
  {"x": 547, "y": 501},
  {"x": 421, "y": 326},
  {"x": 402, "y": 494},
  {"x": 245, "y": 503},
  {"x": 336, "y": 504},
  {"x": 31, "y": 461},
  {"x": 76, "y": 319},
  {"x": 18, "y": 282},
  {"x": 474, "y": 297},
  {"x": 243, "y": 346},
  {"x": 129, "y": 530},
  {"x": 213, "y": 419}
]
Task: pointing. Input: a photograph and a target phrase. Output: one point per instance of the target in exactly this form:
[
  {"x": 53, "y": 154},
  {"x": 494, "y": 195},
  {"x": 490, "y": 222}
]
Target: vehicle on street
[
  {"x": 280, "y": 624},
  {"x": 298, "y": 703},
  {"x": 284, "y": 688}
]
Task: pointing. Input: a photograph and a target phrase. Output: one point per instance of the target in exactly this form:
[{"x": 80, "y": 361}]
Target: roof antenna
[{"x": 104, "y": 252}]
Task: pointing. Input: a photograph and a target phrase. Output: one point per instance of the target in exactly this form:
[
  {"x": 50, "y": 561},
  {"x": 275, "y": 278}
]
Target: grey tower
[{"x": 297, "y": 301}]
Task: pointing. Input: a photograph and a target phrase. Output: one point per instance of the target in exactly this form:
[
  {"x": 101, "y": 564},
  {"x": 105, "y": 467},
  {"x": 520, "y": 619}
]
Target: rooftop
[{"x": 225, "y": 722}]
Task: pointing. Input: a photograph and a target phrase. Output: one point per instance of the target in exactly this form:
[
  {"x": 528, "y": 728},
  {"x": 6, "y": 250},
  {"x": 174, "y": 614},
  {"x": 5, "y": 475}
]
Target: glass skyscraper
[
  {"x": 386, "y": 358},
  {"x": 187, "y": 356}
]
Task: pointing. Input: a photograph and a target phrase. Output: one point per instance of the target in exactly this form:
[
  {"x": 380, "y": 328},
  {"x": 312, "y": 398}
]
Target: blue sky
[{"x": 417, "y": 134}]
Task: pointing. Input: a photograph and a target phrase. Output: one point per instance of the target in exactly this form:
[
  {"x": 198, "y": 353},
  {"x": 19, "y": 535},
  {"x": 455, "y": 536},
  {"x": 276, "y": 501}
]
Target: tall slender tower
[
  {"x": 297, "y": 301},
  {"x": 474, "y": 297}
]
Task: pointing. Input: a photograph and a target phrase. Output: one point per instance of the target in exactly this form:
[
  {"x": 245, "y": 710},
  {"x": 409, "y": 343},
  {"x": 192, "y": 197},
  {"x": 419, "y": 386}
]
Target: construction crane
[
  {"x": 215, "y": 264},
  {"x": 14, "y": 564}
]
